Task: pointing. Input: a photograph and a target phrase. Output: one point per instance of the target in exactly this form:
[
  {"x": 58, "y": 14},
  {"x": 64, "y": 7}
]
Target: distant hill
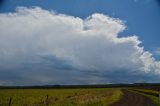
[{"x": 83, "y": 86}]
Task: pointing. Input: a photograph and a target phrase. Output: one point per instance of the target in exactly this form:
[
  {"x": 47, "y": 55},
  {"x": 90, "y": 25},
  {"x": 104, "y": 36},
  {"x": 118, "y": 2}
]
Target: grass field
[{"x": 60, "y": 97}]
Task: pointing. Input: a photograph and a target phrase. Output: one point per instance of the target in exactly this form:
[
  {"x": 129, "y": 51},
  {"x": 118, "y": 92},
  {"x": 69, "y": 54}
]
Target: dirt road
[{"x": 133, "y": 99}]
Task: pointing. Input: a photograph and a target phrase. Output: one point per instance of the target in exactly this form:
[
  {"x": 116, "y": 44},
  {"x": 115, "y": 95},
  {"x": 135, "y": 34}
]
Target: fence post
[
  {"x": 46, "y": 101},
  {"x": 10, "y": 100},
  {"x": 159, "y": 96}
]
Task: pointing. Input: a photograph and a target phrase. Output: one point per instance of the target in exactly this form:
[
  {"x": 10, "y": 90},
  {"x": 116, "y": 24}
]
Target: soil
[{"x": 133, "y": 99}]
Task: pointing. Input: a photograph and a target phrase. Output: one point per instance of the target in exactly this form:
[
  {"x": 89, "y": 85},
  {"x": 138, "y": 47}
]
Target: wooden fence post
[
  {"x": 10, "y": 100},
  {"x": 46, "y": 101}
]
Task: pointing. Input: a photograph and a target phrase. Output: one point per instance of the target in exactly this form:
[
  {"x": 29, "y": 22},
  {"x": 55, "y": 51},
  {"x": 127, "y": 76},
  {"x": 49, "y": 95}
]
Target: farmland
[
  {"x": 116, "y": 96},
  {"x": 59, "y": 97}
]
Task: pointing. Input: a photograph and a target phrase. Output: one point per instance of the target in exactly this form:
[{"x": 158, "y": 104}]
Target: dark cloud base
[{"x": 53, "y": 76}]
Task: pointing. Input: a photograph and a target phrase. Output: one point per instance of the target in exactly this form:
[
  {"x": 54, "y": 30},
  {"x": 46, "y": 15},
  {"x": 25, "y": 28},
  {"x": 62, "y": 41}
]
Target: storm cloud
[{"x": 42, "y": 47}]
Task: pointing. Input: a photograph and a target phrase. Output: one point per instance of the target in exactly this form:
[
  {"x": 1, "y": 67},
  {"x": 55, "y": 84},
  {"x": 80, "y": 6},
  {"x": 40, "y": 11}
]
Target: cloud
[
  {"x": 42, "y": 47},
  {"x": 157, "y": 51}
]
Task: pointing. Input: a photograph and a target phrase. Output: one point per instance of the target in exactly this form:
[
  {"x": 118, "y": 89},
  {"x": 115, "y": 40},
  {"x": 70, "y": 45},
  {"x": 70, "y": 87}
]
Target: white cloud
[{"x": 84, "y": 44}]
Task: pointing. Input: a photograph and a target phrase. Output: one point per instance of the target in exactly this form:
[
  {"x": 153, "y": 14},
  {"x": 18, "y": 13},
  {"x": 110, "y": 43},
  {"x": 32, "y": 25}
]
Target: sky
[{"x": 79, "y": 41}]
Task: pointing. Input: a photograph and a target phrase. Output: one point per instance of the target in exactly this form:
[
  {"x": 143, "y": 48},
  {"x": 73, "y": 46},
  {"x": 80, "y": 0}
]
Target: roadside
[{"x": 133, "y": 99}]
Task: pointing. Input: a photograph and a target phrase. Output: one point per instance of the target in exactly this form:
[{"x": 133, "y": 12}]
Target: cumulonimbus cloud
[{"x": 37, "y": 41}]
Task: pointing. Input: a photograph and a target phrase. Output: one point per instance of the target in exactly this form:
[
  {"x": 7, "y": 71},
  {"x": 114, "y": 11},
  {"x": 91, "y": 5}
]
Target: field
[
  {"x": 128, "y": 96},
  {"x": 59, "y": 97}
]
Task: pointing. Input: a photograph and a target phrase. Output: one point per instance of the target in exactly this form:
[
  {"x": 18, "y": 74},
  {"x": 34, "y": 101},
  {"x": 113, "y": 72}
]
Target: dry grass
[{"x": 60, "y": 97}]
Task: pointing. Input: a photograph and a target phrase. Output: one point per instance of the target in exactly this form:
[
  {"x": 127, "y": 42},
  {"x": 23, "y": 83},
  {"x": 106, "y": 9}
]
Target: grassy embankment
[{"x": 60, "y": 97}]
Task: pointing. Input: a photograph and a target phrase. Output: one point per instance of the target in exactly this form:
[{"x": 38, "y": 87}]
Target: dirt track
[{"x": 133, "y": 99}]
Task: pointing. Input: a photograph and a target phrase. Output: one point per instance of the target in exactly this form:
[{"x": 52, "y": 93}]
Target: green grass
[
  {"x": 155, "y": 100},
  {"x": 60, "y": 97},
  {"x": 148, "y": 91},
  {"x": 144, "y": 92}
]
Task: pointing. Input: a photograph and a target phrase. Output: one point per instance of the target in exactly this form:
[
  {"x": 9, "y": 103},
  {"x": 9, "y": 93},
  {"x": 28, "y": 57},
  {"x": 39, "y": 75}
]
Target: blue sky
[{"x": 141, "y": 18}]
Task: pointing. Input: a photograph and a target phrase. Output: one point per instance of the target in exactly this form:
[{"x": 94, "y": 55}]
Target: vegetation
[
  {"x": 60, "y": 97},
  {"x": 148, "y": 91},
  {"x": 152, "y": 94}
]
